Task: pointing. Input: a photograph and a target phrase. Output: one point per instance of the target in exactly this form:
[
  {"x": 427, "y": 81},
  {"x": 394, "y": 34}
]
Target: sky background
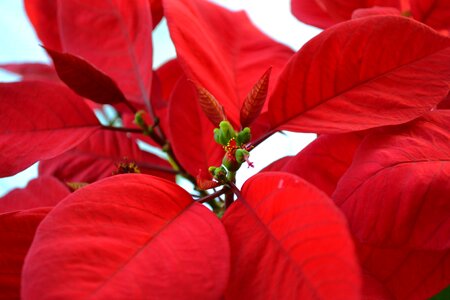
[{"x": 18, "y": 43}]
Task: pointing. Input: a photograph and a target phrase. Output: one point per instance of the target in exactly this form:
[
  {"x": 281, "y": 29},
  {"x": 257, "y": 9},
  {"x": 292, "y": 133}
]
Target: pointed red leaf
[
  {"x": 16, "y": 234},
  {"x": 312, "y": 13},
  {"x": 210, "y": 106},
  {"x": 44, "y": 120},
  {"x": 396, "y": 191},
  {"x": 289, "y": 241},
  {"x": 346, "y": 80},
  {"x": 43, "y": 191},
  {"x": 131, "y": 237},
  {"x": 222, "y": 50},
  {"x": 405, "y": 273},
  {"x": 84, "y": 79},
  {"x": 114, "y": 36},
  {"x": 157, "y": 11},
  {"x": 32, "y": 71},
  {"x": 254, "y": 102},
  {"x": 191, "y": 132},
  {"x": 97, "y": 156},
  {"x": 322, "y": 162},
  {"x": 169, "y": 74},
  {"x": 43, "y": 14}
]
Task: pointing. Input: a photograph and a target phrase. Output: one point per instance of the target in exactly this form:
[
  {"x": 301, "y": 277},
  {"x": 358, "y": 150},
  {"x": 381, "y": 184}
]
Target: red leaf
[
  {"x": 211, "y": 108},
  {"x": 32, "y": 71},
  {"x": 375, "y": 11},
  {"x": 222, "y": 50},
  {"x": 84, "y": 79},
  {"x": 311, "y": 13},
  {"x": 254, "y": 102},
  {"x": 191, "y": 132},
  {"x": 396, "y": 191},
  {"x": 157, "y": 11},
  {"x": 445, "y": 104},
  {"x": 434, "y": 13},
  {"x": 44, "y": 191},
  {"x": 341, "y": 10},
  {"x": 16, "y": 234},
  {"x": 43, "y": 14},
  {"x": 322, "y": 162},
  {"x": 346, "y": 80},
  {"x": 169, "y": 74},
  {"x": 289, "y": 241},
  {"x": 44, "y": 120},
  {"x": 130, "y": 237},
  {"x": 97, "y": 156},
  {"x": 405, "y": 273},
  {"x": 114, "y": 36}
]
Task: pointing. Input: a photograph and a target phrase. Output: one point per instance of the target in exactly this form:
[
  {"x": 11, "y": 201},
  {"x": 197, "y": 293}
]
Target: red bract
[
  {"x": 124, "y": 233},
  {"x": 360, "y": 213}
]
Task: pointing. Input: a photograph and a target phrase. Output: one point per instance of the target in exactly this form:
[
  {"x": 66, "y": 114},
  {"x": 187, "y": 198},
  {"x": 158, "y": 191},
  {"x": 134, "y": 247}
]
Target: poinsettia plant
[{"x": 363, "y": 212}]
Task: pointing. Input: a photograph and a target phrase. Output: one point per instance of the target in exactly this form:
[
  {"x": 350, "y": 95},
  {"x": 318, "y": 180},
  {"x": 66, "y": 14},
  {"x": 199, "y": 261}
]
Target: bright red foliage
[{"x": 362, "y": 212}]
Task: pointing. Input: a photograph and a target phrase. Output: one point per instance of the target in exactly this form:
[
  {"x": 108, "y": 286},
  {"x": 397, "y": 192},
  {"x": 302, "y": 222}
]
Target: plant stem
[
  {"x": 122, "y": 129},
  {"x": 213, "y": 195}
]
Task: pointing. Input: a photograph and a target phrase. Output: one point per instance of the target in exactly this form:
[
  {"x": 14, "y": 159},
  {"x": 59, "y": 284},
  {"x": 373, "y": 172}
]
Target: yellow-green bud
[
  {"x": 227, "y": 131},
  {"x": 241, "y": 155},
  {"x": 244, "y": 136}
]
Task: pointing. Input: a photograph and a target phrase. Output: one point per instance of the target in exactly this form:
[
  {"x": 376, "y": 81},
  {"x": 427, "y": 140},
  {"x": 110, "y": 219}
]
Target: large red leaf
[
  {"x": 115, "y": 36},
  {"x": 346, "y": 79},
  {"x": 42, "y": 191},
  {"x": 289, "y": 241},
  {"x": 32, "y": 71},
  {"x": 222, "y": 50},
  {"x": 322, "y": 162},
  {"x": 169, "y": 74},
  {"x": 191, "y": 131},
  {"x": 396, "y": 191},
  {"x": 97, "y": 158},
  {"x": 311, "y": 12},
  {"x": 43, "y": 14},
  {"x": 84, "y": 79},
  {"x": 130, "y": 237},
  {"x": 43, "y": 120},
  {"x": 16, "y": 234},
  {"x": 405, "y": 273}
]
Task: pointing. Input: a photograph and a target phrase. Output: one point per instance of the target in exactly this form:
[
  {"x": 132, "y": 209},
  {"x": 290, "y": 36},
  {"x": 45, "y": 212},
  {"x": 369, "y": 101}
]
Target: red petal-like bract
[
  {"x": 17, "y": 230},
  {"x": 397, "y": 190},
  {"x": 289, "y": 241},
  {"x": 43, "y": 14},
  {"x": 311, "y": 12},
  {"x": 191, "y": 132},
  {"x": 210, "y": 106},
  {"x": 44, "y": 120},
  {"x": 44, "y": 191},
  {"x": 375, "y": 11},
  {"x": 345, "y": 79},
  {"x": 222, "y": 50},
  {"x": 84, "y": 79},
  {"x": 129, "y": 237},
  {"x": 97, "y": 156},
  {"x": 115, "y": 37},
  {"x": 32, "y": 71},
  {"x": 406, "y": 273},
  {"x": 434, "y": 13},
  {"x": 322, "y": 162}
]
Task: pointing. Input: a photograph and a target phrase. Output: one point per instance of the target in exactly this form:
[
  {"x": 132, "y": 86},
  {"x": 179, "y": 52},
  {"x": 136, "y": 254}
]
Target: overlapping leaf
[
  {"x": 44, "y": 191},
  {"x": 396, "y": 191},
  {"x": 17, "y": 230},
  {"x": 43, "y": 14},
  {"x": 115, "y": 37},
  {"x": 129, "y": 236},
  {"x": 32, "y": 71},
  {"x": 322, "y": 162},
  {"x": 288, "y": 241},
  {"x": 97, "y": 157},
  {"x": 222, "y": 50},
  {"x": 346, "y": 80},
  {"x": 43, "y": 120}
]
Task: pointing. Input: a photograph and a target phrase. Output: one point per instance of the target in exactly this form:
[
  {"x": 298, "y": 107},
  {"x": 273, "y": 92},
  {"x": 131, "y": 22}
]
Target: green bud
[
  {"x": 244, "y": 136},
  {"x": 227, "y": 131},
  {"x": 217, "y": 135},
  {"x": 220, "y": 174},
  {"x": 241, "y": 155},
  {"x": 231, "y": 165},
  {"x": 139, "y": 119}
]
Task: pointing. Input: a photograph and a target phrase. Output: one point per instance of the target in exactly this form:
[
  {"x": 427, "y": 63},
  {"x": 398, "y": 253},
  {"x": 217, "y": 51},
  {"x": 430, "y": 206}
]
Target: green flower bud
[
  {"x": 139, "y": 119},
  {"x": 241, "y": 155},
  {"x": 244, "y": 136},
  {"x": 227, "y": 131},
  {"x": 220, "y": 174},
  {"x": 231, "y": 164}
]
